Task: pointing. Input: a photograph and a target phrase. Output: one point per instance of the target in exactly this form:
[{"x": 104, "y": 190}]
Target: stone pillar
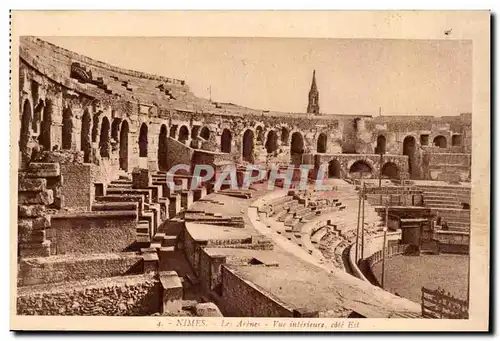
[
  {"x": 141, "y": 178},
  {"x": 172, "y": 292}
]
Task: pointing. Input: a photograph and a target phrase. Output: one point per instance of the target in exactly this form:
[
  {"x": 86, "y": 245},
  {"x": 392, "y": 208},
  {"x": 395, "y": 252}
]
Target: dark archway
[
  {"x": 183, "y": 134},
  {"x": 85, "y": 138},
  {"x": 285, "y": 135},
  {"x": 67, "y": 129},
  {"x": 409, "y": 149},
  {"x": 248, "y": 145},
  {"x": 104, "y": 138},
  {"x": 45, "y": 126},
  {"x": 380, "y": 148},
  {"x": 334, "y": 169},
  {"x": 440, "y": 141},
  {"x": 456, "y": 140},
  {"x": 205, "y": 133},
  {"x": 115, "y": 129},
  {"x": 272, "y": 141},
  {"x": 124, "y": 146},
  {"x": 162, "y": 149},
  {"x": 226, "y": 141},
  {"x": 25, "y": 132},
  {"x": 360, "y": 166},
  {"x": 143, "y": 141},
  {"x": 321, "y": 144},
  {"x": 296, "y": 148},
  {"x": 390, "y": 170}
]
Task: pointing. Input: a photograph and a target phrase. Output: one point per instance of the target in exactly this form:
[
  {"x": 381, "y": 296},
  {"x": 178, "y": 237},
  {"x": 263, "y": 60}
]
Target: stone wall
[
  {"x": 55, "y": 269},
  {"x": 241, "y": 298},
  {"x": 178, "y": 153},
  {"x": 93, "y": 232},
  {"x": 119, "y": 296},
  {"x": 78, "y": 187}
]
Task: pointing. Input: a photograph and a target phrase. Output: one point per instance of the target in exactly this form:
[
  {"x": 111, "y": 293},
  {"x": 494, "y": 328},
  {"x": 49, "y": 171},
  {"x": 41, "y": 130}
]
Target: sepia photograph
[{"x": 206, "y": 182}]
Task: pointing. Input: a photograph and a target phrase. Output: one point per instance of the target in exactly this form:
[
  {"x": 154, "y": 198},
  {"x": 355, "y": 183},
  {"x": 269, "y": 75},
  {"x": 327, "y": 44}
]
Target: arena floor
[{"x": 406, "y": 275}]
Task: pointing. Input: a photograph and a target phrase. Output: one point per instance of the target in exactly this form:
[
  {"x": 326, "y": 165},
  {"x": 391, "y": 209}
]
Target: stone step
[{"x": 115, "y": 206}]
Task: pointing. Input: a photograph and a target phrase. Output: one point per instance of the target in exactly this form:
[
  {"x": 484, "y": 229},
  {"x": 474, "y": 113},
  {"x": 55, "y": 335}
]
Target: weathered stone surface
[
  {"x": 141, "y": 178},
  {"x": 43, "y": 170},
  {"x": 34, "y": 224},
  {"x": 32, "y": 185},
  {"x": 36, "y": 198},
  {"x": 208, "y": 309},
  {"x": 27, "y": 211},
  {"x": 61, "y": 156},
  {"x": 35, "y": 249}
]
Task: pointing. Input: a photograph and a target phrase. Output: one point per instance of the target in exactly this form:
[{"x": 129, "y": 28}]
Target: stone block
[
  {"x": 32, "y": 185},
  {"x": 208, "y": 309},
  {"x": 43, "y": 170},
  {"x": 150, "y": 261},
  {"x": 305, "y": 313},
  {"x": 34, "y": 224},
  {"x": 172, "y": 291},
  {"x": 36, "y": 198},
  {"x": 141, "y": 178},
  {"x": 26, "y": 211},
  {"x": 35, "y": 249}
]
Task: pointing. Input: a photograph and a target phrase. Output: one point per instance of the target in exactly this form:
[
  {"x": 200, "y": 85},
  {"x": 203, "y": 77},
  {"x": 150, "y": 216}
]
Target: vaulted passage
[
  {"x": 104, "y": 142},
  {"x": 225, "y": 141},
  {"x": 380, "y": 148},
  {"x": 390, "y": 170},
  {"x": 272, "y": 141},
  {"x": 162, "y": 149},
  {"x": 67, "y": 129},
  {"x": 334, "y": 169},
  {"x": 361, "y": 168},
  {"x": 85, "y": 138},
  {"x": 409, "y": 150},
  {"x": 45, "y": 126},
  {"x": 124, "y": 146},
  {"x": 205, "y": 133},
  {"x": 25, "y": 133},
  {"x": 321, "y": 144},
  {"x": 440, "y": 141},
  {"x": 183, "y": 134},
  {"x": 296, "y": 148},
  {"x": 248, "y": 145},
  {"x": 143, "y": 141},
  {"x": 456, "y": 140}
]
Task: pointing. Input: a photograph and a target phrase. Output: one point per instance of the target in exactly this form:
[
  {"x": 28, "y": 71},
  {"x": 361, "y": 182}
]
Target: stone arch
[
  {"x": 173, "y": 131},
  {"x": 409, "y": 149},
  {"x": 162, "y": 148},
  {"x": 296, "y": 148},
  {"x": 123, "y": 153},
  {"x": 248, "y": 145},
  {"x": 85, "y": 138},
  {"x": 67, "y": 129},
  {"x": 390, "y": 170},
  {"x": 271, "y": 141},
  {"x": 321, "y": 145},
  {"x": 183, "y": 134},
  {"x": 104, "y": 138},
  {"x": 360, "y": 166},
  {"x": 456, "y": 140},
  {"x": 285, "y": 135},
  {"x": 205, "y": 133},
  {"x": 334, "y": 169},
  {"x": 226, "y": 141},
  {"x": 25, "y": 133},
  {"x": 143, "y": 140},
  {"x": 45, "y": 126},
  {"x": 381, "y": 145},
  {"x": 440, "y": 141}
]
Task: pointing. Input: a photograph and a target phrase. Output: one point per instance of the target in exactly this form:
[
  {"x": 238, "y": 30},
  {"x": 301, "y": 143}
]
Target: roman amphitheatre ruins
[{"x": 100, "y": 232}]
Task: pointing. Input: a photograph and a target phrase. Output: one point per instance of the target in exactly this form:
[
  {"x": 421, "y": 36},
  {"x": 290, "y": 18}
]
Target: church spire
[{"x": 313, "y": 104}]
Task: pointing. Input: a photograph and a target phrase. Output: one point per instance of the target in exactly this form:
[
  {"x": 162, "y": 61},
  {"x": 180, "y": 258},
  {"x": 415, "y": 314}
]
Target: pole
[
  {"x": 363, "y": 224},
  {"x": 384, "y": 247},
  {"x": 357, "y": 227}
]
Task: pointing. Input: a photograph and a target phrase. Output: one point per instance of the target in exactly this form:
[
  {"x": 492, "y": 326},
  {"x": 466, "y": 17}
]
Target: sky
[{"x": 354, "y": 76}]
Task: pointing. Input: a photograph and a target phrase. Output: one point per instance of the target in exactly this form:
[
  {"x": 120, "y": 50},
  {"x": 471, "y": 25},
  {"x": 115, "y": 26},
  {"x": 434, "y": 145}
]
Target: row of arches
[{"x": 389, "y": 169}]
